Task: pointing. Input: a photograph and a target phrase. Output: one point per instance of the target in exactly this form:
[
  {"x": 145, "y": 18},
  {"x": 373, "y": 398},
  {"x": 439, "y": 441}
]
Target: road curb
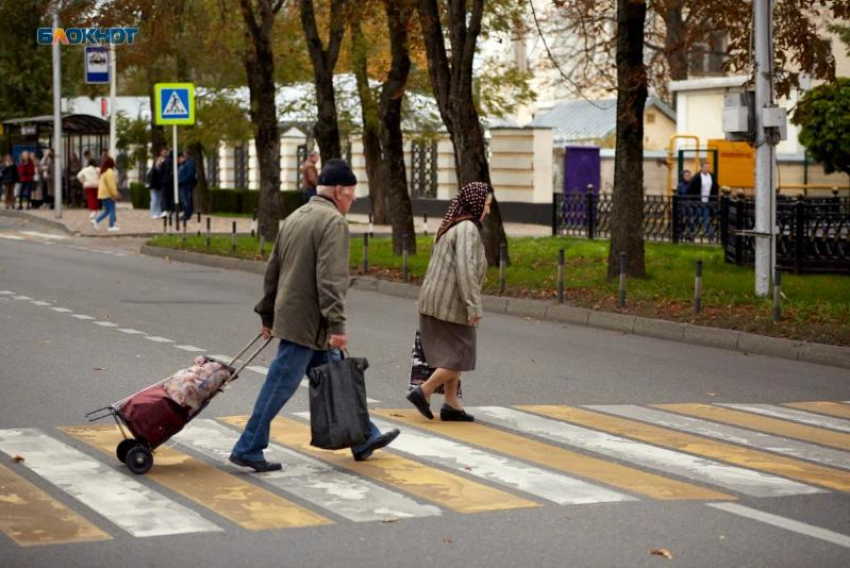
[
  {"x": 727, "y": 339},
  {"x": 56, "y": 225}
]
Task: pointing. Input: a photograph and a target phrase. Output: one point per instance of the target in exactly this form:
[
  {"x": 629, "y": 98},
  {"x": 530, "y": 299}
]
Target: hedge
[{"x": 223, "y": 200}]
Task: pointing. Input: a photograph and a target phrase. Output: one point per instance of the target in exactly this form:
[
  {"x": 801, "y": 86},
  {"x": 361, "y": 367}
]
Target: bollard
[
  {"x": 170, "y": 220},
  {"x": 184, "y": 233},
  {"x": 234, "y": 237},
  {"x": 254, "y": 224},
  {"x": 209, "y": 239},
  {"x": 777, "y": 296},
  {"x": 262, "y": 244},
  {"x": 503, "y": 261},
  {"x": 199, "y": 216},
  {"x": 624, "y": 262},
  {"x": 177, "y": 221},
  {"x": 164, "y": 225},
  {"x": 698, "y": 289},
  {"x": 404, "y": 258},
  {"x": 371, "y": 226},
  {"x": 561, "y": 276},
  {"x": 365, "y": 253},
  {"x": 425, "y": 215}
]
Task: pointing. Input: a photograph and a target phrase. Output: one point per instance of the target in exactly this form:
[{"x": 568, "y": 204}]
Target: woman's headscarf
[{"x": 467, "y": 205}]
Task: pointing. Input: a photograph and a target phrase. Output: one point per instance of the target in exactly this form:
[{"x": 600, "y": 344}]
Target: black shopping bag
[
  {"x": 420, "y": 370},
  {"x": 339, "y": 417}
]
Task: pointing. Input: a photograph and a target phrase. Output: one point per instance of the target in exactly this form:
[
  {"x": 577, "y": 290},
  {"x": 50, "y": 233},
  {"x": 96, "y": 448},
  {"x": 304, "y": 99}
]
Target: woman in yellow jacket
[{"x": 107, "y": 192}]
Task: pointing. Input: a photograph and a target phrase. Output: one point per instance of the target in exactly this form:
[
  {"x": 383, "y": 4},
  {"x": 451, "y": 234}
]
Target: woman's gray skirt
[{"x": 448, "y": 345}]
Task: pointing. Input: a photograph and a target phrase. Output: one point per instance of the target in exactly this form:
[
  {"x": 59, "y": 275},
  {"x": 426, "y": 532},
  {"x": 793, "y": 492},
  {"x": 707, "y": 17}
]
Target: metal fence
[{"x": 813, "y": 234}]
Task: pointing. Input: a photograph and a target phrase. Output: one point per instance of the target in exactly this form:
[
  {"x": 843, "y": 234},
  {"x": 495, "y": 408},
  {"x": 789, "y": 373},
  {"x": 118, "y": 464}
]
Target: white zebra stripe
[
  {"x": 685, "y": 465},
  {"x": 784, "y": 523},
  {"x": 345, "y": 494},
  {"x": 555, "y": 487},
  {"x": 140, "y": 511},
  {"x": 190, "y": 348},
  {"x": 760, "y": 440},
  {"x": 130, "y": 331},
  {"x": 6, "y": 293},
  {"x": 259, "y": 369},
  {"x": 157, "y": 339},
  {"x": 105, "y": 323},
  {"x": 793, "y": 415},
  {"x": 23, "y": 298},
  {"x": 41, "y": 303},
  {"x": 82, "y": 317},
  {"x": 62, "y": 310}
]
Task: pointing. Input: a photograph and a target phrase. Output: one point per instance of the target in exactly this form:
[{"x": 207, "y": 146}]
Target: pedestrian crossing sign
[{"x": 175, "y": 103}]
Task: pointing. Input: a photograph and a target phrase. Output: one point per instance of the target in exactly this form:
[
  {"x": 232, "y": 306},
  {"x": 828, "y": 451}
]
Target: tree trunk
[
  {"x": 627, "y": 212},
  {"x": 399, "y": 13},
  {"x": 324, "y": 62},
  {"x": 371, "y": 124},
  {"x": 675, "y": 48},
  {"x": 259, "y": 65}
]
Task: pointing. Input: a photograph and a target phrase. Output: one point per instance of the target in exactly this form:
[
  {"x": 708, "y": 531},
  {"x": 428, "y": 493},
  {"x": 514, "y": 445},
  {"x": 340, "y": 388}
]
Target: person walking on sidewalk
[
  {"x": 450, "y": 301},
  {"x": 187, "y": 177},
  {"x": 8, "y": 179},
  {"x": 107, "y": 192},
  {"x": 47, "y": 181},
  {"x": 26, "y": 175},
  {"x": 89, "y": 177},
  {"x": 309, "y": 176},
  {"x": 303, "y": 305},
  {"x": 155, "y": 186}
]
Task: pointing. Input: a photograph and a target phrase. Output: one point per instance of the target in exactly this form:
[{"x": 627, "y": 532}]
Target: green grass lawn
[{"x": 816, "y": 307}]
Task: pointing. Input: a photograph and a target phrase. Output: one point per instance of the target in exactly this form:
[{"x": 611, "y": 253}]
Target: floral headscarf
[{"x": 467, "y": 205}]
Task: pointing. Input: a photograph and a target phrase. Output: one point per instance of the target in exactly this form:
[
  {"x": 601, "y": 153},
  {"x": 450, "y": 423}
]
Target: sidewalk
[{"x": 138, "y": 222}]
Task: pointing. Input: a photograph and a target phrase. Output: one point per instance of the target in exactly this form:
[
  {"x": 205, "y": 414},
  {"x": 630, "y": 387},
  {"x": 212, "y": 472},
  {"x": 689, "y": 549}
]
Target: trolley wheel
[
  {"x": 124, "y": 448},
  {"x": 139, "y": 459}
]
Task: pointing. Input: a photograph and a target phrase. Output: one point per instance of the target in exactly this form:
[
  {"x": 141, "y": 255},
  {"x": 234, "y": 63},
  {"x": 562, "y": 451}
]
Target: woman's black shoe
[
  {"x": 420, "y": 402},
  {"x": 449, "y": 414}
]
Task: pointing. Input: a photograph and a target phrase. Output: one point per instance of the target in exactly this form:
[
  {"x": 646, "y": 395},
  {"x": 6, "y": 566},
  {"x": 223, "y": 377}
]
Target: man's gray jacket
[{"x": 307, "y": 276}]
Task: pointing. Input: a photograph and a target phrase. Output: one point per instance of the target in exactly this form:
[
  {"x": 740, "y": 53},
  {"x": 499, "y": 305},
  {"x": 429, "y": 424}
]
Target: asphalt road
[{"x": 56, "y": 367}]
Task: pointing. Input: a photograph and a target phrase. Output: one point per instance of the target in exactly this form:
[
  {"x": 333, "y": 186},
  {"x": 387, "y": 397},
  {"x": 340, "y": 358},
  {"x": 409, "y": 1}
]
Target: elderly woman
[{"x": 450, "y": 301}]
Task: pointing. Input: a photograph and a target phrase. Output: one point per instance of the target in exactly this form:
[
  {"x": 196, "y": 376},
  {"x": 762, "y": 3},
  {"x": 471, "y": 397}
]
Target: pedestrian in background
[
  {"x": 26, "y": 175},
  {"x": 168, "y": 204},
  {"x": 8, "y": 178},
  {"x": 37, "y": 193},
  {"x": 303, "y": 305},
  {"x": 89, "y": 177},
  {"x": 47, "y": 181},
  {"x": 309, "y": 176},
  {"x": 155, "y": 187},
  {"x": 450, "y": 301},
  {"x": 108, "y": 193},
  {"x": 187, "y": 177},
  {"x": 75, "y": 188},
  {"x": 703, "y": 188}
]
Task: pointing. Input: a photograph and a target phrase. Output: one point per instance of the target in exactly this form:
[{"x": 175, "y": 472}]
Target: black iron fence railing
[{"x": 813, "y": 234}]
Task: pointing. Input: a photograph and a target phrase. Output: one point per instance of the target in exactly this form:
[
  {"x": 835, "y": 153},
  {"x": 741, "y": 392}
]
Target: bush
[
  {"x": 246, "y": 201},
  {"x": 140, "y": 195}
]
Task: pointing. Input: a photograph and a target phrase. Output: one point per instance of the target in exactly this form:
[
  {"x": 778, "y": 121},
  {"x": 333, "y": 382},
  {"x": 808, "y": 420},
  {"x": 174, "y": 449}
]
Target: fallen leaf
[
  {"x": 18, "y": 459},
  {"x": 396, "y": 415},
  {"x": 662, "y": 552},
  {"x": 448, "y": 540},
  {"x": 389, "y": 520},
  {"x": 100, "y": 369}
]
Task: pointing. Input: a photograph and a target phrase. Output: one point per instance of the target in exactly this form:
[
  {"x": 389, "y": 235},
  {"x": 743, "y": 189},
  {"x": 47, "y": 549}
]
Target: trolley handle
[{"x": 253, "y": 355}]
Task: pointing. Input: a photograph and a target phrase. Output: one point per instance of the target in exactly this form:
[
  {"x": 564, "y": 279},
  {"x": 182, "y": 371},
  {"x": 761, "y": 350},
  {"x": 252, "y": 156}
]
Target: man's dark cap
[{"x": 337, "y": 172}]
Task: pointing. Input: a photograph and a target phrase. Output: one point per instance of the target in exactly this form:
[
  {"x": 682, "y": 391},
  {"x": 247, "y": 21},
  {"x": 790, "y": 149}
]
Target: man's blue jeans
[
  {"x": 285, "y": 373},
  {"x": 186, "y": 202}
]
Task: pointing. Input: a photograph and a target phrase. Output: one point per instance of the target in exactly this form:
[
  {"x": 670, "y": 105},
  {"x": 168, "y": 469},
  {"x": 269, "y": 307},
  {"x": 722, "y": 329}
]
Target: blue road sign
[{"x": 175, "y": 103}]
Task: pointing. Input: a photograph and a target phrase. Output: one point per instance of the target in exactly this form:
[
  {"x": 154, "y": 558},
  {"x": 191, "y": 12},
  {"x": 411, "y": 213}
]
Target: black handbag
[{"x": 339, "y": 416}]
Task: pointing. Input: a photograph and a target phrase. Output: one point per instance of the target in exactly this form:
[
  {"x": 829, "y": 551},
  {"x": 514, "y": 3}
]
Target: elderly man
[{"x": 304, "y": 306}]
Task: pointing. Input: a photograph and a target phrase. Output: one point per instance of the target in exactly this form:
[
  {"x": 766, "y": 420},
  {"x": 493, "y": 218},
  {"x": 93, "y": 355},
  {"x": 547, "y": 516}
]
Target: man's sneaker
[
  {"x": 256, "y": 465},
  {"x": 376, "y": 443},
  {"x": 94, "y": 224},
  {"x": 114, "y": 229},
  {"x": 92, "y": 214}
]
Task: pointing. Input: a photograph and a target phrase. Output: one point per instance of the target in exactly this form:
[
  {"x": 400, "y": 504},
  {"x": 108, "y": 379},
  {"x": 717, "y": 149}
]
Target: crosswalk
[{"x": 64, "y": 485}]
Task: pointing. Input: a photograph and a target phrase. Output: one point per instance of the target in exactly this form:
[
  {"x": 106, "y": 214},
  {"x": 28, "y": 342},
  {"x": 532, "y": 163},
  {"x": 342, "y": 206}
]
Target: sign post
[{"x": 175, "y": 105}]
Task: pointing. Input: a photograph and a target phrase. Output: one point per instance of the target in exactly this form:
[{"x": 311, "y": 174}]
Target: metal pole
[
  {"x": 113, "y": 140},
  {"x": 209, "y": 239},
  {"x": 560, "y": 276},
  {"x": 174, "y": 168},
  {"x": 57, "y": 125},
  {"x": 254, "y": 224},
  {"x": 503, "y": 261},
  {"x": 763, "y": 38},
  {"x": 365, "y": 253},
  {"x": 777, "y": 296},
  {"x": 371, "y": 226},
  {"x": 234, "y": 236},
  {"x": 184, "y": 233},
  {"x": 404, "y": 258},
  {"x": 698, "y": 289},
  {"x": 624, "y": 263},
  {"x": 165, "y": 221},
  {"x": 426, "y": 223}
]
